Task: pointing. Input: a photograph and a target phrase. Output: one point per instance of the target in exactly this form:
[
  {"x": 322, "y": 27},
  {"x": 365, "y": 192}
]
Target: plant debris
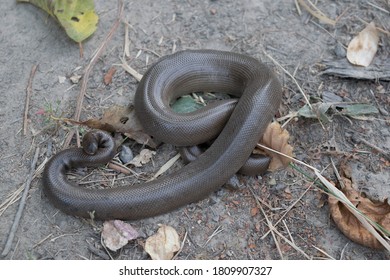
[
  {"x": 121, "y": 119},
  {"x": 362, "y": 49},
  {"x": 276, "y": 138},
  {"x": 378, "y": 212},
  {"x": 116, "y": 234},
  {"x": 142, "y": 158},
  {"x": 163, "y": 244}
]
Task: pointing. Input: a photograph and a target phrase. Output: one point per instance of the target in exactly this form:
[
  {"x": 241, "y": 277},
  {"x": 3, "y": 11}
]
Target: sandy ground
[{"x": 228, "y": 224}]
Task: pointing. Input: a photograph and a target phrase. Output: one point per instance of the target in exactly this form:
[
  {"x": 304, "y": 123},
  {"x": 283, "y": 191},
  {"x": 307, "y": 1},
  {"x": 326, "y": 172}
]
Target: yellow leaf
[{"x": 77, "y": 17}]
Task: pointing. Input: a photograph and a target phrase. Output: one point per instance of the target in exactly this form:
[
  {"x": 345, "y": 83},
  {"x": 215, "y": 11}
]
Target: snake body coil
[{"x": 236, "y": 135}]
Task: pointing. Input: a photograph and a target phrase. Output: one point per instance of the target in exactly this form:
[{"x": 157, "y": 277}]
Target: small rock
[
  {"x": 340, "y": 51},
  {"x": 126, "y": 154}
]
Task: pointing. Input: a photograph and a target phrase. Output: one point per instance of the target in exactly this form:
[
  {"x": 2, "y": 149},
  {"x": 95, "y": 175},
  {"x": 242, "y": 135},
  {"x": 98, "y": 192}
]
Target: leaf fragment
[
  {"x": 116, "y": 234},
  {"x": 362, "y": 48},
  {"x": 108, "y": 76},
  {"x": 359, "y": 109},
  {"x": 163, "y": 244},
  {"x": 142, "y": 158}
]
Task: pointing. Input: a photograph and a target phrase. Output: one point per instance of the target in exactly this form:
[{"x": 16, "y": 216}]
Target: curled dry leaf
[
  {"x": 163, "y": 244},
  {"x": 121, "y": 119},
  {"x": 144, "y": 157},
  {"x": 276, "y": 138},
  {"x": 362, "y": 48},
  {"x": 349, "y": 225},
  {"x": 117, "y": 234}
]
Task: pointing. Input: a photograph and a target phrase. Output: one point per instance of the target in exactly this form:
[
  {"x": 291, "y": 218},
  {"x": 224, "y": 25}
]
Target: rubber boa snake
[{"x": 236, "y": 135}]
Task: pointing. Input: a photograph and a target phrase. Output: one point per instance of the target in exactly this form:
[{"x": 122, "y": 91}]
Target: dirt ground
[{"x": 228, "y": 224}]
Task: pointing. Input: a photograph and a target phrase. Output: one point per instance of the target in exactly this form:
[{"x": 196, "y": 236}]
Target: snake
[{"x": 236, "y": 124}]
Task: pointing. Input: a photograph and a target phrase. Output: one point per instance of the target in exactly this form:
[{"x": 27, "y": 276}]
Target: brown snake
[{"x": 236, "y": 135}]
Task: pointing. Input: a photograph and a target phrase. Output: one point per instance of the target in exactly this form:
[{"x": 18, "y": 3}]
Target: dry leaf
[
  {"x": 117, "y": 234},
  {"x": 362, "y": 48},
  {"x": 163, "y": 244},
  {"x": 108, "y": 77},
  {"x": 276, "y": 138},
  {"x": 122, "y": 119},
  {"x": 350, "y": 226},
  {"x": 144, "y": 157}
]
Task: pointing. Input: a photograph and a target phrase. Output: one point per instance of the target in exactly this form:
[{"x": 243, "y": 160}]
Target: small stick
[
  {"x": 28, "y": 96},
  {"x": 218, "y": 230},
  {"x": 18, "y": 215},
  {"x": 288, "y": 231},
  {"x": 288, "y": 210},
  {"x": 379, "y": 150},
  {"x": 88, "y": 69},
  {"x": 379, "y": 8},
  {"x": 181, "y": 247},
  {"x": 270, "y": 225},
  {"x": 325, "y": 253},
  {"x": 166, "y": 166},
  {"x": 291, "y": 76}
]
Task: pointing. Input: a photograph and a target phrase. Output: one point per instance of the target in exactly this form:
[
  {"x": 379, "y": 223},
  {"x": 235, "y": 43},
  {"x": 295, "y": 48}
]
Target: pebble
[
  {"x": 125, "y": 155},
  {"x": 340, "y": 51}
]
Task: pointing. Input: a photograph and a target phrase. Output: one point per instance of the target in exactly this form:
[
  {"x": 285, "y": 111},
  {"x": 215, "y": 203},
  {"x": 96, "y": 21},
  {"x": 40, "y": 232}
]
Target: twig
[
  {"x": 270, "y": 225},
  {"x": 379, "y": 8},
  {"x": 11, "y": 199},
  {"x": 43, "y": 240},
  {"x": 379, "y": 150},
  {"x": 288, "y": 231},
  {"x": 343, "y": 250},
  {"x": 166, "y": 166},
  {"x": 287, "y": 156},
  {"x": 28, "y": 96},
  {"x": 131, "y": 70},
  {"x": 19, "y": 213},
  {"x": 181, "y": 247},
  {"x": 377, "y": 28},
  {"x": 325, "y": 253},
  {"x": 218, "y": 230},
  {"x": 99, "y": 51},
  {"x": 291, "y": 244},
  {"x": 291, "y": 76}
]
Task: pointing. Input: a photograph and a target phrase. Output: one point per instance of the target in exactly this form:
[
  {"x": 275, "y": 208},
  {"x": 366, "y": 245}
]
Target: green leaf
[
  {"x": 318, "y": 111},
  {"x": 359, "y": 109},
  {"x": 186, "y": 104},
  {"x": 77, "y": 17}
]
